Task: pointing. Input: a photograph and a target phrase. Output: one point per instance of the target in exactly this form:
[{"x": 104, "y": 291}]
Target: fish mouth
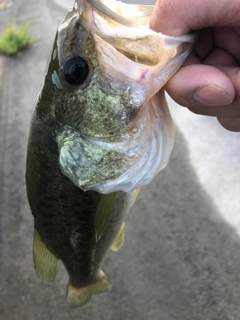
[
  {"x": 136, "y": 62},
  {"x": 114, "y": 11},
  {"x": 123, "y": 27},
  {"x": 106, "y": 12}
]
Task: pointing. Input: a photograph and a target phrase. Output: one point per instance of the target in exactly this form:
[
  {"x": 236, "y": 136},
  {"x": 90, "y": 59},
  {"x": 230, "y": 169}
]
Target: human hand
[{"x": 209, "y": 81}]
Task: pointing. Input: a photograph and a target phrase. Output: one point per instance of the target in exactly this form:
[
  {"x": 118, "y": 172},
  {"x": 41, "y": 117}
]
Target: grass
[{"x": 14, "y": 38}]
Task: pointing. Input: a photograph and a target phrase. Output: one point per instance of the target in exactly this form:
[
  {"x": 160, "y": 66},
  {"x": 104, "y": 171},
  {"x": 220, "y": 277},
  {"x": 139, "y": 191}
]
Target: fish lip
[{"x": 107, "y": 12}]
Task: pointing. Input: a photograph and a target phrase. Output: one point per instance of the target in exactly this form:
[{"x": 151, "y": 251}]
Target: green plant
[{"x": 15, "y": 38}]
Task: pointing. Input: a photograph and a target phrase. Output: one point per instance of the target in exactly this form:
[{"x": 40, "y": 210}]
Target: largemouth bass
[{"x": 101, "y": 129}]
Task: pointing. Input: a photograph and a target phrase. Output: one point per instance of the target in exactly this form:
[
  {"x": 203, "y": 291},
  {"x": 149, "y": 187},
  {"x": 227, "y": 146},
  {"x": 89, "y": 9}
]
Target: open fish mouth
[
  {"x": 134, "y": 63},
  {"x": 125, "y": 27}
]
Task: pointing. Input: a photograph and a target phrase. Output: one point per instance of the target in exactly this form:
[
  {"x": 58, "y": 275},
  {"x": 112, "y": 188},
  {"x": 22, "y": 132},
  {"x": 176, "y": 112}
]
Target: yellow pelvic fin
[
  {"x": 118, "y": 242},
  {"x": 45, "y": 262},
  {"x": 77, "y": 297},
  {"x": 104, "y": 212},
  {"x": 136, "y": 195}
]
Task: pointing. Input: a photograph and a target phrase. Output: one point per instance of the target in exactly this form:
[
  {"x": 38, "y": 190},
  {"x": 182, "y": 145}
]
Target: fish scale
[
  {"x": 99, "y": 132},
  {"x": 59, "y": 212}
]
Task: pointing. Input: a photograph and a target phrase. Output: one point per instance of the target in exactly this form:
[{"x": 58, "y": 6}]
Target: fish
[{"x": 101, "y": 129}]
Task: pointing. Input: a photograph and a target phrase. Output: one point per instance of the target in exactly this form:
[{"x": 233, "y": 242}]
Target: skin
[{"x": 209, "y": 81}]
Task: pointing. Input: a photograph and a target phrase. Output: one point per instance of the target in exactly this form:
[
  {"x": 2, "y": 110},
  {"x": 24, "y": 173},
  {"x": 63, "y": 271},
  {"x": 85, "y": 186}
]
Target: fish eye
[{"x": 75, "y": 70}]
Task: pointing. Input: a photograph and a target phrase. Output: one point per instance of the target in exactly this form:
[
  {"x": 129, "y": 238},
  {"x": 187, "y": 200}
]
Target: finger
[
  {"x": 215, "y": 57},
  {"x": 220, "y": 57},
  {"x": 204, "y": 43},
  {"x": 221, "y": 110},
  {"x": 203, "y": 89},
  {"x": 228, "y": 39},
  {"x": 231, "y": 124},
  {"x": 208, "y": 50},
  {"x": 174, "y": 17}
]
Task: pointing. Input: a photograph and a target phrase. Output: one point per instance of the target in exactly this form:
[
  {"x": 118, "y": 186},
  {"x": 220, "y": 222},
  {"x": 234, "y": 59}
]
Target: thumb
[{"x": 174, "y": 17}]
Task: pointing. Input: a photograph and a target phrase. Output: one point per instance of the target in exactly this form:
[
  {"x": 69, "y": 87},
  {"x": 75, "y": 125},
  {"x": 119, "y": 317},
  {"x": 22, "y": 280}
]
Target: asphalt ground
[{"x": 181, "y": 257}]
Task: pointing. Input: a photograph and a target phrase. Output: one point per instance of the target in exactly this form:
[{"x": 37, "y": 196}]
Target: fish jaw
[
  {"x": 121, "y": 122},
  {"x": 143, "y": 151}
]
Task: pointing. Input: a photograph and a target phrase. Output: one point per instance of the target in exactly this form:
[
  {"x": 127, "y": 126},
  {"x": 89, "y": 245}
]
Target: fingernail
[{"x": 212, "y": 95}]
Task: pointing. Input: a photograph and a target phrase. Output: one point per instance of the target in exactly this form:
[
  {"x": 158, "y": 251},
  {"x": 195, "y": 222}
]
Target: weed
[{"x": 15, "y": 38}]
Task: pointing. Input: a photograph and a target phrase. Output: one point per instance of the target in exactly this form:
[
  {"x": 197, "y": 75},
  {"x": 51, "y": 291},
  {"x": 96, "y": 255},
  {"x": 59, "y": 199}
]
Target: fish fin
[
  {"x": 118, "y": 242},
  {"x": 104, "y": 212},
  {"x": 136, "y": 195},
  {"x": 45, "y": 262},
  {"x": 77, "y": 297}
]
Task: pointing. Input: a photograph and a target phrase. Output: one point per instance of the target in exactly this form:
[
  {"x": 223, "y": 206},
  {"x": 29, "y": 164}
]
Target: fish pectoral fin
[
  {"x": 136, "y": 195},
  {"x": 77, "y": 297},
  {"x": 104, "y": 212},
  {"x": 45, "y": 262},
  {"x": 118, "y": 242}
]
